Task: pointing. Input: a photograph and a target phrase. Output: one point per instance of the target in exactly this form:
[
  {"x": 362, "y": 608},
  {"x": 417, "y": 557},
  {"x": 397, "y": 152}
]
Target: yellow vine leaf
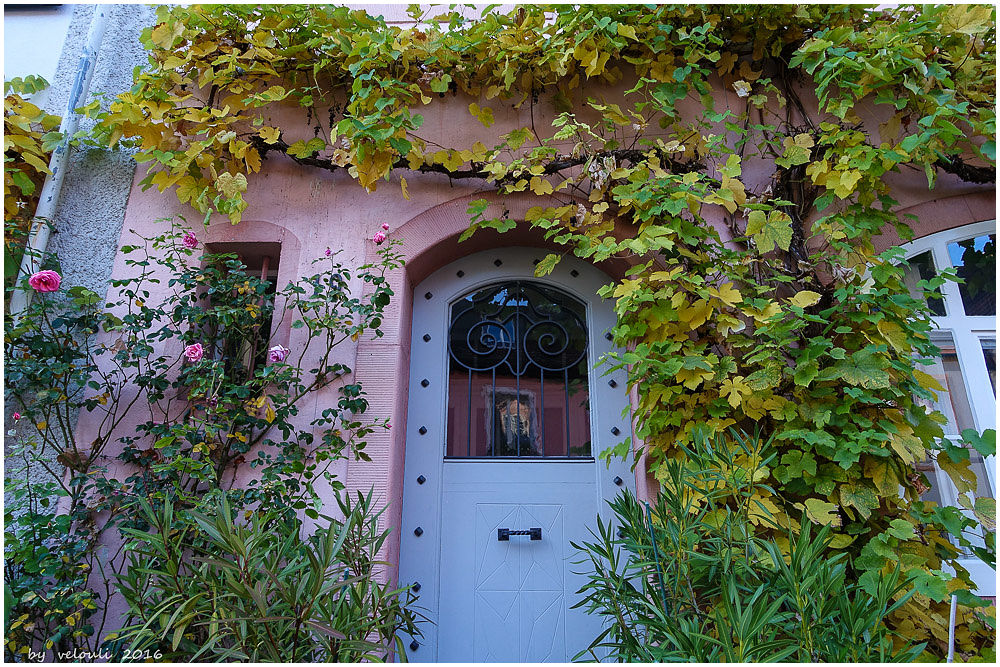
[
  {"x": 483, "y": 114},
  {"x": 805, "y": 298},
  {"x": 372, "y": 167},
  {"x": 761, "y": 316},
  {"x": 541, "y": 186},
  {"x": 895, "y": 335},
  {"x": 695, "y": 314},
  {"x": 967, "y": 19},
  {"x": 822, "y": 512},
  {"x": 230, "y": 185},
  {"x": 770, "y": 230},
  {"x": 959, "y": 472},
  {"x": 927, "y": 381},
  {"x": 626, "y": 31},
  {"x": 269, "y": 134},
  {"x": 880, "y": 472},
  {"x": 733, "y": 390},
  {"x": 907, "y": 446}
]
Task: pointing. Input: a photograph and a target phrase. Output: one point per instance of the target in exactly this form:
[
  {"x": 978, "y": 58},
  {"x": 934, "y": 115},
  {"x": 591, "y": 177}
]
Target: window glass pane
[
  {"x": 518, "y": 373},
  {"x": 975, "y": 261},
  {"x": 942, "y": 493},
  {"x": 953, "y": 402},
  {"x": 978, "y": 466},
  {"x": 990, "y": 354},
  {"x": 244, "y": 345},
  {"x": 921, "y": 267}
]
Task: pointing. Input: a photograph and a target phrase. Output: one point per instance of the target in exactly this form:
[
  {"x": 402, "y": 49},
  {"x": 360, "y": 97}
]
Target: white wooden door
[
  {"x": 509, "y": 600},
  {"x": 506, "y": 435}
]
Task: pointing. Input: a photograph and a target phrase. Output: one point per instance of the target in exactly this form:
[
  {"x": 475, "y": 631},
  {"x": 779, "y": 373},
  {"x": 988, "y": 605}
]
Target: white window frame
[{"x": 967, "y": 332}]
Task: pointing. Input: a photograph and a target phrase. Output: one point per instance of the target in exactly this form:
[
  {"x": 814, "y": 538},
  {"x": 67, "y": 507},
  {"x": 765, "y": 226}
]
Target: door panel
[{"x": 511, "y": 599}]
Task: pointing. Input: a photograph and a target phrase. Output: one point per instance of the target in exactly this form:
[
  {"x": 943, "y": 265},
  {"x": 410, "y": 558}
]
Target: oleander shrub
[
  {"x": 688, "y": 578},
  {"x": 207, "y": 586}
]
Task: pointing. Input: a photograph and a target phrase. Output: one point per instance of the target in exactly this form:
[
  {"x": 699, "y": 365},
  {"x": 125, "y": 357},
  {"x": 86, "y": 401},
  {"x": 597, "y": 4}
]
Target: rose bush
[{"x": 217, "y": 412}]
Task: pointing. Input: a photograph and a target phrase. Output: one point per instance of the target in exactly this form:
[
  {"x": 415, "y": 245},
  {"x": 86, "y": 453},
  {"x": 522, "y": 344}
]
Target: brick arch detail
[{"x": 938, "y": 215}]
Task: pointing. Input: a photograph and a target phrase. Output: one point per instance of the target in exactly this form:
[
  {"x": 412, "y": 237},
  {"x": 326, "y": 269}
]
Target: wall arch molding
[{"x": 938, "y": 215}]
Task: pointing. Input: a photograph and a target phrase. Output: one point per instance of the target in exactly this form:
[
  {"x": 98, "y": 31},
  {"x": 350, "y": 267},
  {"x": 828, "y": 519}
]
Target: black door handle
[{"x": 503, "y": 534}]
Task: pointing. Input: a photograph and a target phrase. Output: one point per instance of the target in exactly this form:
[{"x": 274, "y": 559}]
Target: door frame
[{"x": 610, "y": 416}]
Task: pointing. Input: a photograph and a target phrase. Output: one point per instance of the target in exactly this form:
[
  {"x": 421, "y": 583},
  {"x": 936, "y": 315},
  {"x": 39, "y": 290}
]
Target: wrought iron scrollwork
[{"x": 518, "y": 325}]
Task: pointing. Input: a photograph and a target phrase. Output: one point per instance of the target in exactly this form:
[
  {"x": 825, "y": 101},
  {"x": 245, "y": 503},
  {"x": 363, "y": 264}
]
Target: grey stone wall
[{"x": 92, "y": 205}]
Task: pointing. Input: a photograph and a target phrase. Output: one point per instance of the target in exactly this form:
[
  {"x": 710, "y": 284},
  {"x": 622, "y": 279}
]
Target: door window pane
[
  {"x": 975, "y": 261},
  {"x": 518, "y": 373},
  {"x": 990, "y": 355},
  {"x": 942, "y": 491},
  {"x": 953, "y": 402},
  {"x": 922, "y": 268}
]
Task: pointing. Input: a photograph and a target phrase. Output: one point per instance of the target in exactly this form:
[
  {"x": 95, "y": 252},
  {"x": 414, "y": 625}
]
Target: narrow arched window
[{"x": 518, "y": 373}]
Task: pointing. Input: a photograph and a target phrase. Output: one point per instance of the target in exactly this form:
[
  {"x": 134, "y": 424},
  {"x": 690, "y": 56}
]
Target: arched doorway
[{"x": 508, "y": 412}]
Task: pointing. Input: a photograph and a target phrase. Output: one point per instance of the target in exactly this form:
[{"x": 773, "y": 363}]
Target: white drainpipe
[
  {"x": 48, "y": 200},
  {"x": 951, "y": 628}
]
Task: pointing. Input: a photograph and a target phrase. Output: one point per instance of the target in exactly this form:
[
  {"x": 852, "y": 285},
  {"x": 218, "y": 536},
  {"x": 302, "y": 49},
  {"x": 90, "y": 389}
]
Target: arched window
[
  {"x": 965, "y": 332},
  {"x": 518, "y": 373}
]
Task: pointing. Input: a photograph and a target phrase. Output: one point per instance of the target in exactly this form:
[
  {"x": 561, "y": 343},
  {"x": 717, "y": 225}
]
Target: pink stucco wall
[{"x": 306, "y": 211}]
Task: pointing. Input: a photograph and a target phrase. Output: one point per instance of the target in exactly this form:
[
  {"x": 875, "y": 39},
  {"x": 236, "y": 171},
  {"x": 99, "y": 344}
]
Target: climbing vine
[
  {"x": 29, "y": 136},
  {"x": 739, "y": 158}
]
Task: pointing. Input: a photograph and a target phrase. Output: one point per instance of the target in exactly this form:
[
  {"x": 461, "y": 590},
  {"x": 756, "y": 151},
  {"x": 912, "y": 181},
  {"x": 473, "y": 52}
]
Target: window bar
[
  {"x": 566, "y": 393},
  {"x": 517, "y": 360},
  {"x": 468, "y": 424},
  {"x": 265, "y": 266},
  {"x": 541, "y": 408},
  {"x": 493, "y": 415}
]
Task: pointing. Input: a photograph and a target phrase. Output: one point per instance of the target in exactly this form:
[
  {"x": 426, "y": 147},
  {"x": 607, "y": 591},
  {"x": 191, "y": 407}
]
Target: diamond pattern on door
[
  {"x": 519, "y": 590},
  {"x": 496, "y": 626}
]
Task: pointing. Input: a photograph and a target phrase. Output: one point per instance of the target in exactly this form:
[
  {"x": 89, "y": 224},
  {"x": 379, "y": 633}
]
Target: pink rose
[
  {"x": 277, "y": 353},
  {"x": 388, "y": 425},
  {"x": 379, "y": 238},
  {"x": 190, "y": 241},
  {"x": 194, "y": 353},
  {"x": 385, "y": 226},
  {"x": 328, "y": 253},
  {"x": 45, "y": 281},
  {"x": 17, "y": 416}
]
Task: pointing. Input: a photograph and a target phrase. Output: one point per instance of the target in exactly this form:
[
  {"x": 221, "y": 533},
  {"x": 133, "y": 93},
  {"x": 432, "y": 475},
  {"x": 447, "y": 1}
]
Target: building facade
[{"x": 497, "y": 430}]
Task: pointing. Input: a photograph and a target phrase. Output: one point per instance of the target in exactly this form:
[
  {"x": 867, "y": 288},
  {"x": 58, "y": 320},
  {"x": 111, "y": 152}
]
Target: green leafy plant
[
  {"x": 688, "y": 579},
  {"x": 204, "y": 586},
  {"x": 30, "y": 134},
  {"x": 48, "y": 558}
]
